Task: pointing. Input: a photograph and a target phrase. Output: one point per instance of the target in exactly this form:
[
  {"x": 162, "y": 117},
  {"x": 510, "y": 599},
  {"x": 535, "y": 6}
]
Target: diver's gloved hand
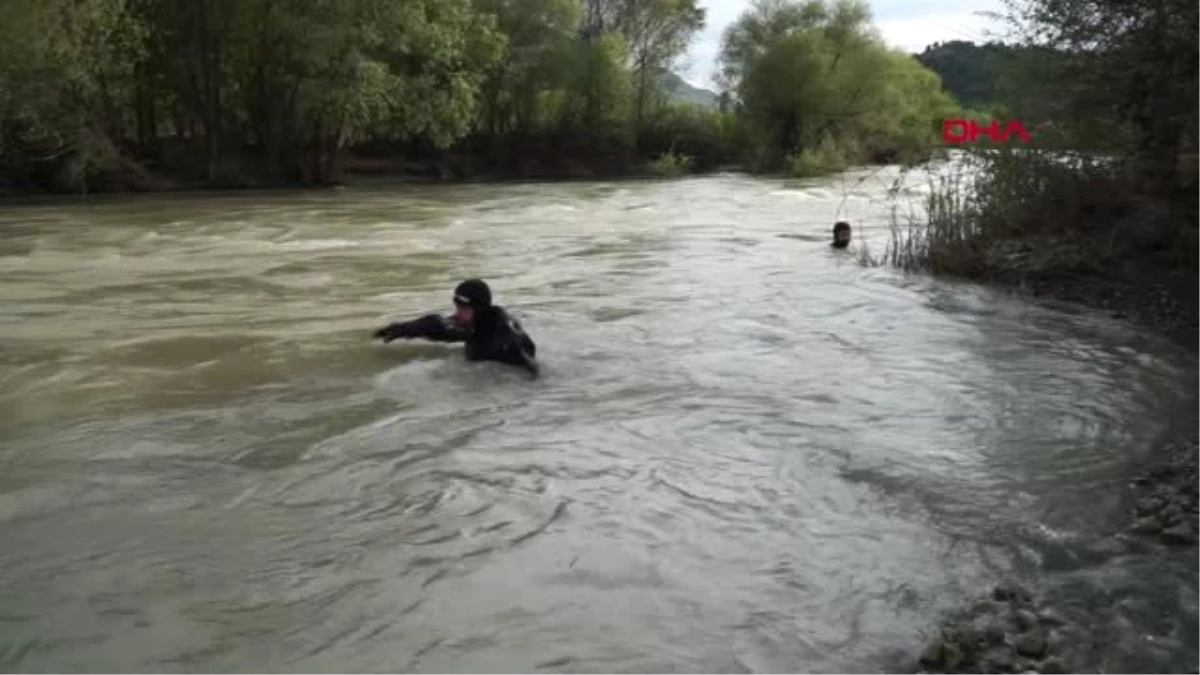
[
  {"x": 390, "y": 332},
  {"x": 422, "y": 327},
  {"x": 398, "y": 330}
]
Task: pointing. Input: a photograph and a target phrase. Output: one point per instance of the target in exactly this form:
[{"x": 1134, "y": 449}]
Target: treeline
[
  {"x": 110, "y": 94},
  {"x": 970, "y": 72}
]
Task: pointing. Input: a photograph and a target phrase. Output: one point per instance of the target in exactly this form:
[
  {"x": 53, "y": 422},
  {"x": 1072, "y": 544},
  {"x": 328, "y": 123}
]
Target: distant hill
[
  {"x": 968, "y": 71},
  {"x": 679, "y": 89}
]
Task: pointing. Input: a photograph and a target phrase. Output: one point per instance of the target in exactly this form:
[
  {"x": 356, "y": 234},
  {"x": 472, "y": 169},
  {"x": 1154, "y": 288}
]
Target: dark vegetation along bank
[
  {"x": 149, "y": 94},
  {"x": 1101, "y": 206}
]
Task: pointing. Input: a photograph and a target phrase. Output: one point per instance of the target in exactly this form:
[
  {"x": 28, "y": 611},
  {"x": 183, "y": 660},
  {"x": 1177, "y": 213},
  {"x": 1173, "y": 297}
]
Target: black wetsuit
[{"x": 495, "y": 336}]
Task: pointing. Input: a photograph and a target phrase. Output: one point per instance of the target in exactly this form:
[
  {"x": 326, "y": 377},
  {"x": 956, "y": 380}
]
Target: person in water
[
  {"x": 841, "y": 234},
  {"x": 487, "y": 330}
]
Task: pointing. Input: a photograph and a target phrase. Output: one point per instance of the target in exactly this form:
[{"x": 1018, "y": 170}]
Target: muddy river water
[{"x": 746, "y": 452}]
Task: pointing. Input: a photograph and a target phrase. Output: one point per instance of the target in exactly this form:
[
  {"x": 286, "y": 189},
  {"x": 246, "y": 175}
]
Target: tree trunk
[
  {"x": 639, "y": 110},
  {"x": 1161, "y": 132}
]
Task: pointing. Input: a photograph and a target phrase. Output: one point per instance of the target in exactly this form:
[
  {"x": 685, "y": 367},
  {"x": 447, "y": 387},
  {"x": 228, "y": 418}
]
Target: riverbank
[
  {"x": 1158, "y": 299},
  {"x": 1095, "y": 237},
  {"x": 1006, "y": 632},
  {"x": 1016, "y": 631},
  {"x": 160, "y": 179},
  {"x": 1166, "y": 507}
]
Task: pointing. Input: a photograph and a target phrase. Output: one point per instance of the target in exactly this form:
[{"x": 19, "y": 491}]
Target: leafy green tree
[
  {"x": 540, "y": 35},
  {"x": 968, "y": 71},
  {"x": 816, "y": 78},
  {"x": 658, "y": 32}
]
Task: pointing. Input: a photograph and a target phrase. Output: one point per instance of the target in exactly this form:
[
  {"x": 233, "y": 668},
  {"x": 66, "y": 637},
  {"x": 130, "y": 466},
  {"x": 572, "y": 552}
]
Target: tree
[
  {"x": 658, "y": 31},
  {"x": 539, "y": 36},
  {"x": 968, "y": 71},
  {"x": 813, "y": 77},
  {"x": 1134, "y": 64}
]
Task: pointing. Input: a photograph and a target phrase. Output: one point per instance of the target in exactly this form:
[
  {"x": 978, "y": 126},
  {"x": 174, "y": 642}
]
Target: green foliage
[
  {"x": 212, "y": 87},
  {"x": 1111, "y": 75},
  {"x": 1015, "y": 214},
  {"x": 599, "y": 89},
  {"x": 848, "y": 98},
  {"x": 536, "y": 60},
  {"x": 61, "y": 64},
  {"x": 968, "y": 71},
  {"x": 670, "y": 165},
  {"x": 1114, "y": 81},
  {"x": 238, "y": 90},
  {"x": 829, "y": 155},
  {"x": 657, "y": 31},
  {"x": 703, "y": 134}
]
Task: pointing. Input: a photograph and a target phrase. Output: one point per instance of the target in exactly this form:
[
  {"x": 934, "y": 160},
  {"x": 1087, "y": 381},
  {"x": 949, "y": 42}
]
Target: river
[{"x": 746, "y": 452}]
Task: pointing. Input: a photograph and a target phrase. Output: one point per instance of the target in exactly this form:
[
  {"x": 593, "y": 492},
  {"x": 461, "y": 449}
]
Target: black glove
[
  {"x": 393, "y": 331},
  {"x": 430, "y": 326}
]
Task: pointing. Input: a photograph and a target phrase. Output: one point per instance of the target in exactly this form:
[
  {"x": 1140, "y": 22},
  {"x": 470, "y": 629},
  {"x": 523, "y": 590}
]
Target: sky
[{"x": 908, "y": 24}]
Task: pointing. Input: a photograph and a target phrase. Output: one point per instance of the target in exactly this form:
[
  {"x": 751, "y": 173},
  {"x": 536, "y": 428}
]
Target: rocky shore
[
  {"x": 1007, "y": 632},
  {"x": 1010, "y": 632},
  {"x": 1162, "y": 300},
  {"x": 1167, "y": 501}
]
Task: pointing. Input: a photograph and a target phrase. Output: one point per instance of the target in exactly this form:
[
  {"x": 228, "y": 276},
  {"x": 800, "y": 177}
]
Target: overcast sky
[{"x": 908, "y": 24}]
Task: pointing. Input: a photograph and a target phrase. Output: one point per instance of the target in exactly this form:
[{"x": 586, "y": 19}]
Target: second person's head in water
[
  {"x": 470, "y": 297},
  {"x": 841, "y": 234}
]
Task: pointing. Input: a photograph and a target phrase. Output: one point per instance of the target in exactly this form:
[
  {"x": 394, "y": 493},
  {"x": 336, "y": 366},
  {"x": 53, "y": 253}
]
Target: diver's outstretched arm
[{"x": 429, "y": 327}]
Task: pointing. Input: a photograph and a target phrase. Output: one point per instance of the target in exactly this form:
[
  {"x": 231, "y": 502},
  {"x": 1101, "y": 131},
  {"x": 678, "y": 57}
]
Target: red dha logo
[{"x": 967, "y": 131}]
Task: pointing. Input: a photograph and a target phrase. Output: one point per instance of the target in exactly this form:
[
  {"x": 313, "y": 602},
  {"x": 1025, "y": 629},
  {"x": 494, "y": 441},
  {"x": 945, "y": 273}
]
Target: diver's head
[
  {"x": 841, "y": 234},
  {"x": 470, "y": 297}
]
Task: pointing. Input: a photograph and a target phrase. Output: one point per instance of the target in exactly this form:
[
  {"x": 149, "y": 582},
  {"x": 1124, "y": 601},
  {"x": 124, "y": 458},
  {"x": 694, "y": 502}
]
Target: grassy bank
[{"x": 1076, "y": 228}]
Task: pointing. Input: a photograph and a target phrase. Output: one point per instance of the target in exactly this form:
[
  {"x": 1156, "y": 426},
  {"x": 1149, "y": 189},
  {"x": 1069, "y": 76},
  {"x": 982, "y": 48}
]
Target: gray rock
[
  {"x": 1179, "y": 534},
  {"x": 1053, "y": 666},
  {"x": 1054, "y": 640},
  {"x": 1103, "y": 549},
  {"x": 932, "y": 655},
  {"x": 1164, "y": 471},
  {"x": 971, "y": 639},
  {"x": 1147, "y": 525},
  {"x": 1136, "y": 543},
  {"x": 995, "y": 633},
  {"x": 1049, "y": 617},
  {"x": 1031, "y": 643},
  {"x": 998, "y": 660},
  {"x": 1172, "y": 514},
  {"x": 986, "y": 608},
  {"x": 1149, "y": 505},
  {"x": 952, "y": 657},
  {"x": 1011, "y": 593},
  {"x": 1026, "y": 620}
]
